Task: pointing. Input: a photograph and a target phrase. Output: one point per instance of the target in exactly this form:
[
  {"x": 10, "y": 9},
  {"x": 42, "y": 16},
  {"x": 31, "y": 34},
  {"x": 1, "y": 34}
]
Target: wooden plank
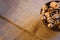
[
  {"x": 26, "y": 36},
  {"x": 8, "y": 31},
  {"x": 24, "y": 13},
  {"x": 47, "y": 34}
]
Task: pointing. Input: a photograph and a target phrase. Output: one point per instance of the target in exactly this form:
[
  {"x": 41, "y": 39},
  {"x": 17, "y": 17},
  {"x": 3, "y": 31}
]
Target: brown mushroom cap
[
  {"x": 44, "y": 7},
  {"x": 50, "y": 25},
  {"x": 54, "y": 5},
  {"x": 59, "y": 26},
  {"x": 55, "y": 16},
  {"x": 42, "y": 17},
  {"x": 47, "y": 14}
]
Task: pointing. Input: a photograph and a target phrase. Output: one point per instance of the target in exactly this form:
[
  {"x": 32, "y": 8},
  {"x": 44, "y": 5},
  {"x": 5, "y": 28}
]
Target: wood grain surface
[{"x": 25, "y": 14}]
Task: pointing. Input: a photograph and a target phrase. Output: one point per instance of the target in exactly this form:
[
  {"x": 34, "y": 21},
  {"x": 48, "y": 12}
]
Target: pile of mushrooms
[{"x": 50, "y": 14}]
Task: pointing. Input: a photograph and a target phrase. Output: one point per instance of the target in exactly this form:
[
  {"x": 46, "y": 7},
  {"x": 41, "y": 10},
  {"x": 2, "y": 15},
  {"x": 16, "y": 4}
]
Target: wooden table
[{"x": 25, "y": 14}]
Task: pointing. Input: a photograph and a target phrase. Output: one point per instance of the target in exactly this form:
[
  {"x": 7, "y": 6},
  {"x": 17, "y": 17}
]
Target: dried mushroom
[
  {"x": 44, "y": 7},
  {"x": 54, "y": 5},
  {"x": 51, "y": 13}
]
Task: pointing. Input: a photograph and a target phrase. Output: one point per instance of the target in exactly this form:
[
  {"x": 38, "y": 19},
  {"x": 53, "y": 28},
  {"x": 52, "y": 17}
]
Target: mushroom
[
  {"x": 50, "y": 20},
  {"x": 59, "y": 4},
  {"x": 43, "y": 11},
  {"x": 54, "y": 5},
  {"x": 57, "y": 22},
  {"x": 55, "y": 16},
  {"x": 43, "y": 17},
  {"x": 44, "y": 7},
  {"x": 50, "y": 25},
  {"x": 47, "y": 14},
  {"x": 59, "y": 26},
  {"x": 50, "y": 10}
]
